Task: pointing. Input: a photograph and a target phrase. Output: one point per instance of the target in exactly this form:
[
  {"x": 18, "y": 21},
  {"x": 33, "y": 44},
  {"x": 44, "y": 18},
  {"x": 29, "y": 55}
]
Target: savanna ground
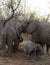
[{"x": 19, "y": 59}]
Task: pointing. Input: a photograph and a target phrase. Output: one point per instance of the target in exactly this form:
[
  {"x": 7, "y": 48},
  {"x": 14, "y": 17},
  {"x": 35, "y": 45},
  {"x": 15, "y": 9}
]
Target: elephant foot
[
  {"x": 28, "y": 58},
  {"x": 37, "y": 58},
  {"x": 10, "y": 54}
]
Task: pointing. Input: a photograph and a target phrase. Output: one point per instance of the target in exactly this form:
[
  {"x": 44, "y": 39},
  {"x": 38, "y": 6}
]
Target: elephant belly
[
  {"x": 41, "y": 37},
  {"x": 44, "y": 37},
  {"x": 11, "y": 33},
  {"x": 34, "y": 37},
  {"x": 44, "y": 32}
]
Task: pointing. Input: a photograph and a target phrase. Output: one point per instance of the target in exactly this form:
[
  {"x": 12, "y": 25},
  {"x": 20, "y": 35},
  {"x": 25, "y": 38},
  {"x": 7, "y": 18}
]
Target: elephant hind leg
[
  {"x": 47, "y": 48},
  {"x": 16, "y": 45},
  {"x": 3, "y": 45},
  {"x": 14, "y": 48},
  {"x": 10, "y": 46},
  {"x": 10, "y": 51}
]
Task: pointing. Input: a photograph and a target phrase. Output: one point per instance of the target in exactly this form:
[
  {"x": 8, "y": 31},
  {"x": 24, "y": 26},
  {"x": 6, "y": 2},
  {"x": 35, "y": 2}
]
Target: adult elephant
[
  {"x": 10, "y": 35},
  {"x": 40, "y": 31}
]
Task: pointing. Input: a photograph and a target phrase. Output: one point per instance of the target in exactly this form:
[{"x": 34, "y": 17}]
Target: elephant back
[{"x": 11, "y": 32}]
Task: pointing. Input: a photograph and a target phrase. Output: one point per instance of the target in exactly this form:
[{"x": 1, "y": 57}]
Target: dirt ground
[{"x": 19, "y": 59}]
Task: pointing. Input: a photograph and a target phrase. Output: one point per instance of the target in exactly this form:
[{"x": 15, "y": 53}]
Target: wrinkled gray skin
[
  {"x": 10, "y": 35},
  {"x": 18, "y": 30},
  {"x": 40, "y": 32},
  {"x": 33, "y": 48}
]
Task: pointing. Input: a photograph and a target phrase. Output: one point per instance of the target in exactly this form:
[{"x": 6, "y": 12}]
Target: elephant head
[
  {"x": 29, "y": 26},
  {"x": 24, "y": 26}
]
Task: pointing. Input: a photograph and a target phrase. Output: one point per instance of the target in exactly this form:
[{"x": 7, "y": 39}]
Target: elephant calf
[{"x": 33, "y": 48}]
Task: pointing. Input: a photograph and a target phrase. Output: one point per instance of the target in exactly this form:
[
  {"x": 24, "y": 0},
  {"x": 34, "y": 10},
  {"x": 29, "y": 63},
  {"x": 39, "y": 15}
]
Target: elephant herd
[{"x": 40, "y": 35}]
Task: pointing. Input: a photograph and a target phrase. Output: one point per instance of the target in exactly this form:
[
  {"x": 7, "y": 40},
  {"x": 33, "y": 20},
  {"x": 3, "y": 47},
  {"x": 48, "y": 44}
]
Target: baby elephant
[{"x": 33, "y": 48}]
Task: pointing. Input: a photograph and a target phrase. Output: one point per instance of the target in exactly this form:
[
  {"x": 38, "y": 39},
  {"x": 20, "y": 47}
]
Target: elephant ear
[{"x": 31, "y": 27}]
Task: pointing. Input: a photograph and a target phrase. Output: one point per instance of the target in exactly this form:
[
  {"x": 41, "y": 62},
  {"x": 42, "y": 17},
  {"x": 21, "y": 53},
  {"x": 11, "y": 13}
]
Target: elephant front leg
[
  {"x": 47, "y": 52},
  {"x": 42, "y": 45},
  {"x": 14, "y": 48},
  {"x": 16, "y": 45},
  {"x": 3, "y": 51},
  {"x": 28, "y": 57}
]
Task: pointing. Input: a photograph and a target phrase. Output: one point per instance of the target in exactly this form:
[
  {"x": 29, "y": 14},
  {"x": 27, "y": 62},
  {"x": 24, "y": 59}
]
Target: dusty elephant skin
[
  {"x": 40, "y": 31},
  {"x": 33, "y": 48},
  {"x": 8, "y": 36},
  {"x": 18, "y": 30}
]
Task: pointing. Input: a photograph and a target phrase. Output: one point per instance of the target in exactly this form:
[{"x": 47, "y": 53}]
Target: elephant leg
[
  {"x": 36, "y": 54},
  {"x": 10, "y": 46},
  {"x": 14, "y": 48},
  {"x": 10, "y": 50},
  {"x": 42, "y": 45},
  {"x": 4, "y": 44},
  {"x": 16, "y": 45},
  {"x": 47, "y": 48},
  {"x": 28, "y": 56}
]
